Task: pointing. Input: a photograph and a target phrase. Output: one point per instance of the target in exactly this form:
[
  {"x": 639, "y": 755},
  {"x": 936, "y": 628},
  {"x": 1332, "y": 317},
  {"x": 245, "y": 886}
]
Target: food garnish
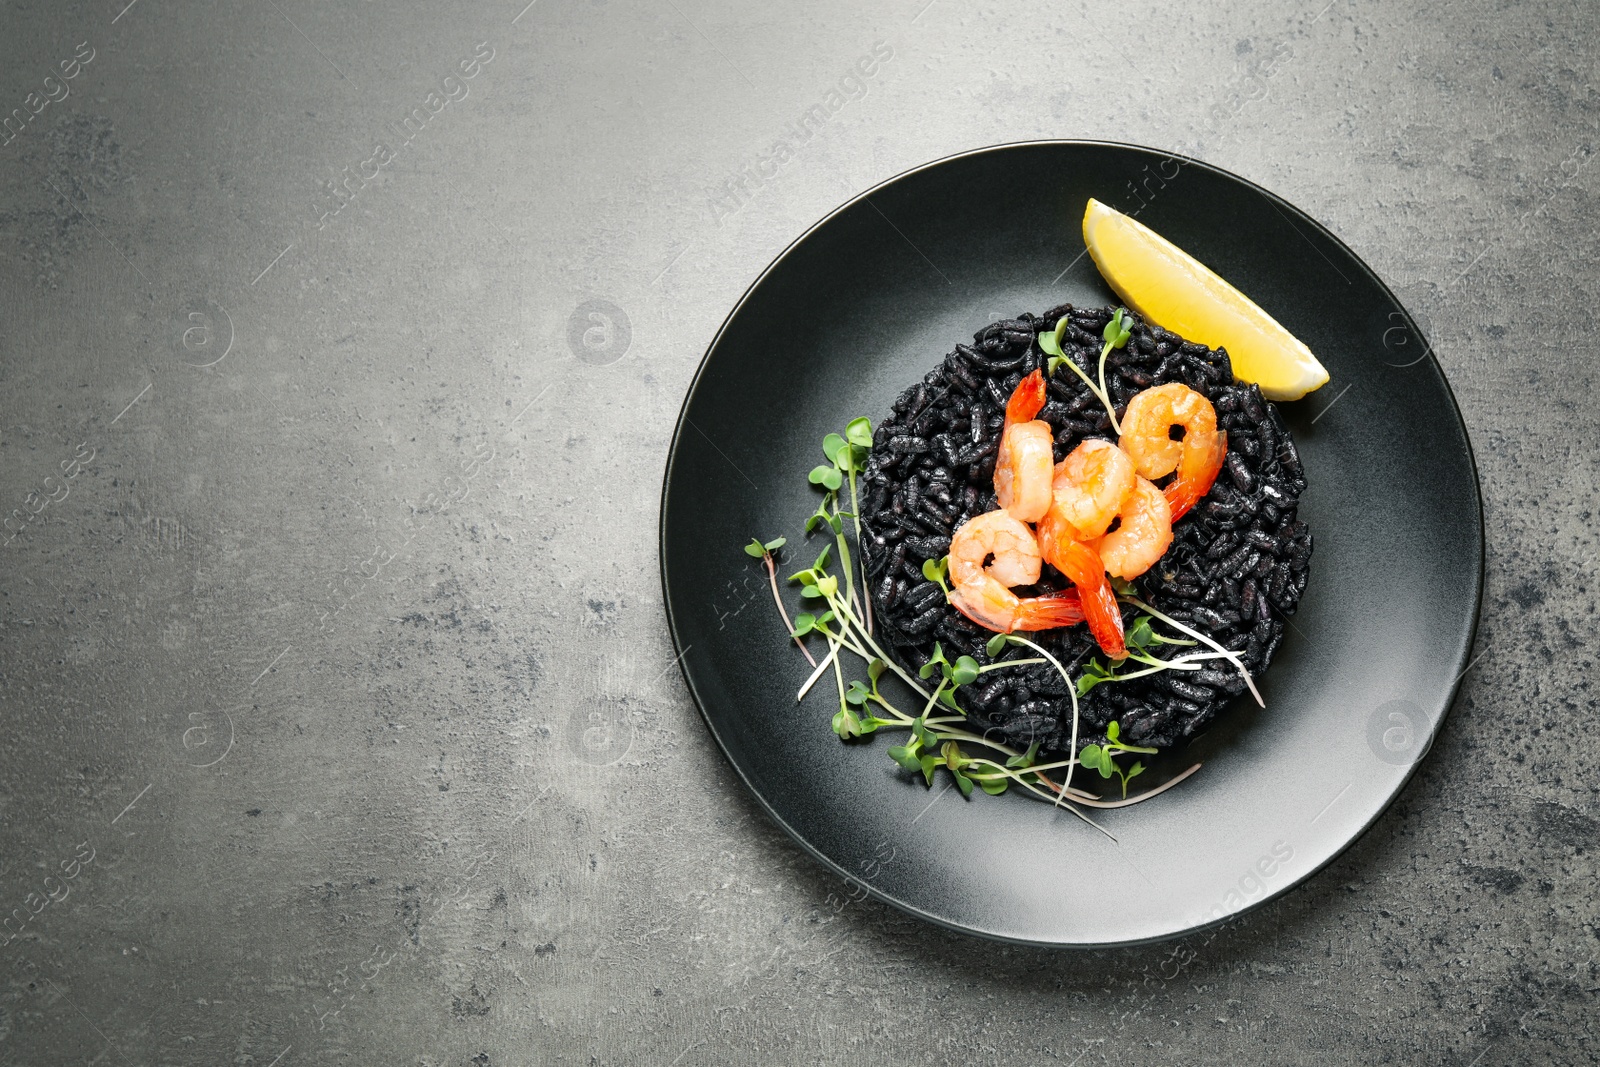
[
  {"x": 1165, "y": 284},
  {"x": 1102, "y": 758},
  {"x": 1116, "y": 335}
]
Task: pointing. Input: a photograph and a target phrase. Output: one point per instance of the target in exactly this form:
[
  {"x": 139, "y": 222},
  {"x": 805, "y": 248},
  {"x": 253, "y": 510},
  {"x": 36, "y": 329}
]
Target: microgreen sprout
[
  {"x": 1102, "y": 758},
  {"x": 763, "y": 551},
  {"x": 1140, "y": 639},
  {"x": 964, "y": 671},
  {"x": 938, "y": 570},
  {"x": 1050, "y": 345},
  {"x": 806, "y": 623},
  {"x": 1125, "y": 593},
  {"x": 758, "y": 550},
  {"x": 1116, "y": 335},
  {"x": 846, "y": 454}
]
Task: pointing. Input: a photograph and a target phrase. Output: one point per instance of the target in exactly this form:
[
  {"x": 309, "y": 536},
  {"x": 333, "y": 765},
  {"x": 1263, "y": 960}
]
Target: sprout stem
[
  {"x": 1190, "y": 662},
  {"x": 772, "y": 578},
  {"x": 855, "y": 517},
  {"x": 1105, "y": 394},
  {"x": 811, "y": 681},
  {"x": 1142, "y": 797},
  {"x": 1009, "y": 663},
  {"x": 1104, "y": 398},
  {"x": 1072, "y": 691},
  {"x": 850, "y": 618},
  {"x": 1228, "y": 654}
]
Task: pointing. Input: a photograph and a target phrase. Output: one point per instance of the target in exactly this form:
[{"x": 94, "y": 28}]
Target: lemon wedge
[{"x": 1166, "y": 285}]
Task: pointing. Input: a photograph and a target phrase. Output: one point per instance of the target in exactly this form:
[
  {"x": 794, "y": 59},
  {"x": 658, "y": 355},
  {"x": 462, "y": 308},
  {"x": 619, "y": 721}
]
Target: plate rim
[{"x": 1461, "y": 662}]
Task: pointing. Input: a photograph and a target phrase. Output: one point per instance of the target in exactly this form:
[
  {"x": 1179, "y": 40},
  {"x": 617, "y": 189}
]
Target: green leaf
[
  {"x": 996, "y": 644},
  {"x": 927, "y": 669},
  {"x": 1118, "y": 330},
  {"x": 825, "y": 617},
  {"x": 1112, "y": 730},
  {"x": 994, "y": 786},
  {"x": 775, "y": 544},
  {"x": 755, "y": 548},
  {"x": 1050, "y": 343},
  {"x": 965, "y": 671},
  {"x": 924, "y": 736},
  {"x": 836, "y": 524},
  {"x": 928, "y": 764},
  {"x": 846, "y": 724},
  {"x": 934, "y": 569},
  {"x": 906, "y": 756},
  {"x": 1137, "y": 768},
  {"x": 1093, "y": 674},
  {"x": 948, "y": 699},
  {"x": 875, "y": 669},
  {"x": 804, "y": 623},
  {"x": 859, "y": 432},
  {"x": 805, "y": 577},
  {"x": 831, "y": 445},
  {"x": 1027, "y": 759},
  {"x": 1095, "y": 759},
  {"x": 811, "y": 591},
  {"x": 822, "y": 558},
  {"x": 827, "y": 477},
  {"x": 827, "y": 586},
  {"x": 870, "y": 724},
  {"x": 814, "y": 521},
  {"x": 857, "y": 693},
  {"x": 963, "y": 783},
  {"x": 1140, "y": 634}
]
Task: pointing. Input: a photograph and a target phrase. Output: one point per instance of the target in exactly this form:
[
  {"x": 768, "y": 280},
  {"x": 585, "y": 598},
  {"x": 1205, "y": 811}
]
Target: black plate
[{"x": 863, "y": 305}]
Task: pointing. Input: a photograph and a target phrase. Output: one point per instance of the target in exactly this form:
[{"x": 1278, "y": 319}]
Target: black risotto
[{"x": 1235, "y": 571}]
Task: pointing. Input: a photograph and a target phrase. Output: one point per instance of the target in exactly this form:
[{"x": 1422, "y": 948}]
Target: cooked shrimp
[
  {"x": 1090, "y": 485},
  {"x": 988, "y": 555},
  {"x": 1143, "y": 535},
  {"x": 1196, "y": 471},
  {"x": 1022, "y": 469},
  {"x": 1147, "y": 438},
  {"x": 1061, "y": 548}
]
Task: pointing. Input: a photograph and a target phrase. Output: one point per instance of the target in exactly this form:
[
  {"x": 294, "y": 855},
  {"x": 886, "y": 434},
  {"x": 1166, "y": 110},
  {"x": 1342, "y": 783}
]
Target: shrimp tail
[
  {"x": 1026, "y": 400},
  {"x": 1083, "y": 568},
  {"x": 1101, "y": 610},
  {"x": 1050, "y": 612},
  {"x": 1196, "y": 476}
]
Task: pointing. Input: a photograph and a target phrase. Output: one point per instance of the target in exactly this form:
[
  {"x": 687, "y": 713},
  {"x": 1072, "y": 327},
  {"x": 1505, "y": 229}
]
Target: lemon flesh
[{"x": 1167, "y": 286}]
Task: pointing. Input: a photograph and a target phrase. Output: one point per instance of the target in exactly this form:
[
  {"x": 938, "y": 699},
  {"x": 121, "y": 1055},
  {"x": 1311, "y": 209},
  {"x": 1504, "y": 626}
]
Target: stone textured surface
[{"x": 340, "y": 718}]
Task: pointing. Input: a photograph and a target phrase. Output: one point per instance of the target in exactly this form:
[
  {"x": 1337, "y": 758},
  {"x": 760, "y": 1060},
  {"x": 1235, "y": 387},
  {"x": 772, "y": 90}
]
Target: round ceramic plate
[{"x": 865, "y": 303}]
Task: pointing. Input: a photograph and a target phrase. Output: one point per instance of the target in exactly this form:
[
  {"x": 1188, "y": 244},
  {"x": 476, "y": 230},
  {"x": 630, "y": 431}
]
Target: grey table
[{"x": 340, "y": 347}]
